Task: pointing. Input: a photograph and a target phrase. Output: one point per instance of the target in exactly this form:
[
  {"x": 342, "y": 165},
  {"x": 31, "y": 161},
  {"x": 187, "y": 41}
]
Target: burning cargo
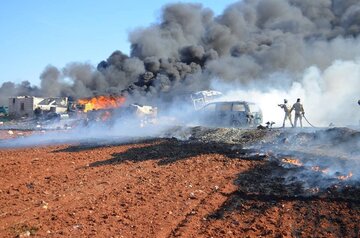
[
  {"x": 112, "y": 108},
  {"x": 98, "y": 108},
  {"x": 100, "y": 102},
  {"x": 135, "y": 114}
]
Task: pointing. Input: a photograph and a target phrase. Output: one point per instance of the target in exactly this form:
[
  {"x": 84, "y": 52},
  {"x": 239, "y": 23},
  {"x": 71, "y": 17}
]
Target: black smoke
[
  {"x": 190, "y": 46},
  {"x": 9, "y": 89}
]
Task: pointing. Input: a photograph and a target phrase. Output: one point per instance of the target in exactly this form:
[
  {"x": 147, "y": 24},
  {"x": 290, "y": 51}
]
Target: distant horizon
[{"x": 42, "y": 33}]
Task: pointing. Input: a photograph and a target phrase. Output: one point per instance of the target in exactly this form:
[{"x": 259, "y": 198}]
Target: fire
[
  {"x": 326, "y": 171},
  {"x": 292, "y": 161},
  {"x": 345, "y": 177},
  {"x": 318, "y": 169},
  {"x": 101, "y": 102}
]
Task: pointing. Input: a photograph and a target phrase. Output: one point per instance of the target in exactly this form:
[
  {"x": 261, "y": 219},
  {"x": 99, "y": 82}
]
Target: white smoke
[
  {"x": 97, "y": 133},
  {"x": 328, "y": 96}
]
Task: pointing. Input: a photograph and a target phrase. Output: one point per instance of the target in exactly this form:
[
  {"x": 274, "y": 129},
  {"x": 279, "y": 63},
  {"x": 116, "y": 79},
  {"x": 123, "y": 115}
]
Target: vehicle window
[
  {"x": 209, "y": 108},
  {"x": 238, "y": 107},
  {"x": 254, "y": 108},
  {"x": 223, "y": 107}
]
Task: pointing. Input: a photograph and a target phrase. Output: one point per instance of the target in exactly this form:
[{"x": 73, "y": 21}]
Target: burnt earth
[{"x": 165, "y": 188}]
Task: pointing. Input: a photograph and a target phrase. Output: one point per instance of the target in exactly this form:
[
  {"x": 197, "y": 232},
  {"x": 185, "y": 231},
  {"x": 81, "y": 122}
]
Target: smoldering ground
[{"x": 312, "y": 160}]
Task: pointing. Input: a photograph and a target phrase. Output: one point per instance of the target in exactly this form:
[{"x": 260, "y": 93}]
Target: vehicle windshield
[
  {"x": 238, "y": 107},
  {"x": 223, "y": 107}
]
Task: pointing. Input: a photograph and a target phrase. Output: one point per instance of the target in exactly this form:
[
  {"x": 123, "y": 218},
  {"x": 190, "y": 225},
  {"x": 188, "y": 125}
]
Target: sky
[{"x": 38, "y": 33}]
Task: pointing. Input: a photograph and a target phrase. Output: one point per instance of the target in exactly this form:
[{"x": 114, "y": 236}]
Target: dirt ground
[{"x": 161, "y": 188}]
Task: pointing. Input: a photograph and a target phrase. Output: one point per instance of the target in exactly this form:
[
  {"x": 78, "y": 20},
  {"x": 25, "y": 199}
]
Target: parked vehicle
[{"x": 234, "y": 114}]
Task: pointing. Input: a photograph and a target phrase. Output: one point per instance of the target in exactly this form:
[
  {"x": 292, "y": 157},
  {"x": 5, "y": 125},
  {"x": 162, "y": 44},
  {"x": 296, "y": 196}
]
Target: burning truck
[{"x": 109, "y": 109}]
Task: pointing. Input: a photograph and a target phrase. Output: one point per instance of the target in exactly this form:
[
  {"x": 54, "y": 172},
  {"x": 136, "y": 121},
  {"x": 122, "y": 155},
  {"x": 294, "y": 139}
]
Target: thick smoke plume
[{"x": 249, "y": 43}]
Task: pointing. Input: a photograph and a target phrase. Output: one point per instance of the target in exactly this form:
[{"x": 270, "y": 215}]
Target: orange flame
[
  {"x": 296, "y": 162},
  {"x": 318, "y": 169},
  {"x": 101, "y": 102},
  {"x": 292, "y": 161},
  {"x": 345, "y": 177}
]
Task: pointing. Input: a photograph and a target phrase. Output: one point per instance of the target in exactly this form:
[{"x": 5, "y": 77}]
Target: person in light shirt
[
  {"x": 286, "y": 108},
  {"x": 299, "y": 112}
]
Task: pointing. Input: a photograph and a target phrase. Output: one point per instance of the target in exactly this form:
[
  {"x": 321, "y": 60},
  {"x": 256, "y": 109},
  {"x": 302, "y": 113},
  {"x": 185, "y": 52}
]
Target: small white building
[{"x": 24, "y": 106}]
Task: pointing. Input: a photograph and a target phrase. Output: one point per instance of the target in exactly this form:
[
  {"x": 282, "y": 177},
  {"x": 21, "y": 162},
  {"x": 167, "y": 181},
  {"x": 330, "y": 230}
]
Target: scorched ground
[{"x": 195, "y": 186}]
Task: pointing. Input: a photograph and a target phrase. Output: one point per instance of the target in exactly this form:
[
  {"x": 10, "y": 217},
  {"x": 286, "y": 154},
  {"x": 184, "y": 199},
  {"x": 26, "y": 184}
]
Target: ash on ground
[{"x": 297, "y": 162}]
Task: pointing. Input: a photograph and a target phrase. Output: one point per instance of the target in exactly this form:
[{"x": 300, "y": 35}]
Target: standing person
[
  {"x": 299, "y": 112},
  {"x": 287, "y": 109}
]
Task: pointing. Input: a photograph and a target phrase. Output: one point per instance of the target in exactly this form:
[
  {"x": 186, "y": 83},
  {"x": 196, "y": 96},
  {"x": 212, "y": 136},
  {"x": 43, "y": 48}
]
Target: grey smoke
[
  {"x": 9, "y": 89},
  {"x": 250, "y": 40}
]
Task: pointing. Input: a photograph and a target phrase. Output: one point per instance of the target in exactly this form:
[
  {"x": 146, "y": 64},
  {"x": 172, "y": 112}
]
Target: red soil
[{"x": 158, "y": 188}]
